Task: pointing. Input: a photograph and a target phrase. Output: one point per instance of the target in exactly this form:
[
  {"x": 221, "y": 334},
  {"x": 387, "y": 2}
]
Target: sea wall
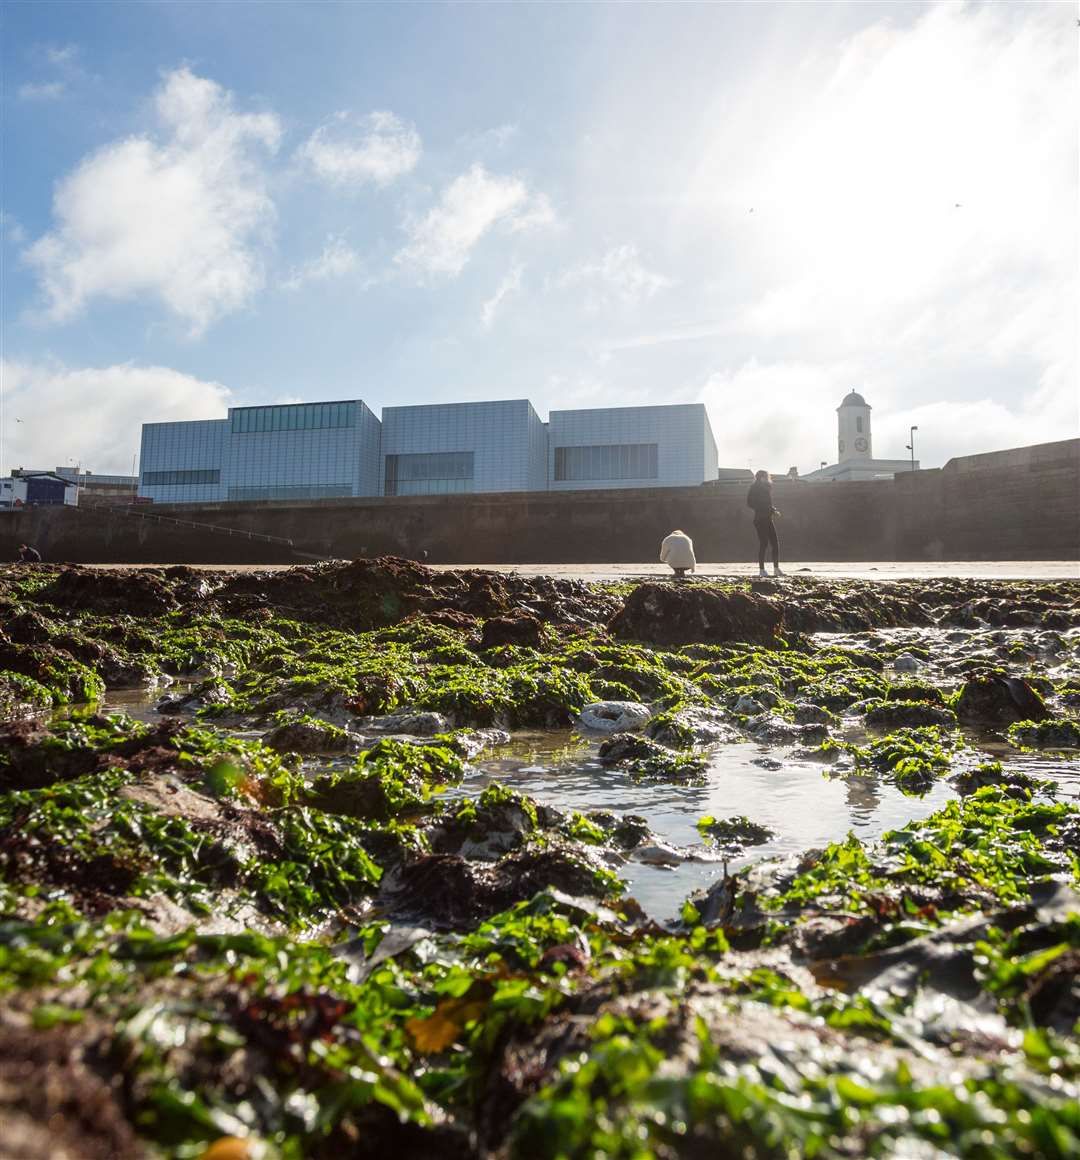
[{"x": 1017, "y": 504}]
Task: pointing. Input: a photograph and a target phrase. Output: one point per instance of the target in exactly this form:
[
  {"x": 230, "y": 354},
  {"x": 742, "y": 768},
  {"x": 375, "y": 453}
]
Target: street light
[
  {"x": 911, "y": 446},
  {"x": 823, "y": 465}
]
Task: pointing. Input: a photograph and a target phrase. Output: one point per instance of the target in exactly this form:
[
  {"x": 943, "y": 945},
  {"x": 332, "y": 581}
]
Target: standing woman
[{"x": 759, "y": 499}]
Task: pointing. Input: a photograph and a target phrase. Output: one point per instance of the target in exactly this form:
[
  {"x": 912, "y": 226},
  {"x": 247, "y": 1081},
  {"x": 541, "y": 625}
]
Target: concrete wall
[{"x": 1022, "y": 504}]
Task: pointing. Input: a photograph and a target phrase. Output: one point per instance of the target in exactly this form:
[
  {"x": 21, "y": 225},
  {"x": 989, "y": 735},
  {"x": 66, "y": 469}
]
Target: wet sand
[{"x": 869, "y": 570}]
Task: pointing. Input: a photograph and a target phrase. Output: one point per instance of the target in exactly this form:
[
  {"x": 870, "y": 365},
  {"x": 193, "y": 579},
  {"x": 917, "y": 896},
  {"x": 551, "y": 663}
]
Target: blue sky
[{"x": 755, "y": 206}]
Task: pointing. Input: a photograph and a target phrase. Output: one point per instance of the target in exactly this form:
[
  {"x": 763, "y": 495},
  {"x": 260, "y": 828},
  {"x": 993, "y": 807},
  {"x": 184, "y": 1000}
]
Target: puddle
[{"x": 806, "y": 803}]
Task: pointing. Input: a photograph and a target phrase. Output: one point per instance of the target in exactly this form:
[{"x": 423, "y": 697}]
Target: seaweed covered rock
[
  {"x": 674, "y": 615},
  {"x": 140, "y": 592},
  {"x": 484, "y": 829},
  {"x": 689, "y": 725},
  {"x": 1049, "y": 734},
  {"x": 299, "y": 733},
  {"x": 888, "y": 715},
  {"x": 518, "y": 628},
  {"x": 993, "y": 699},
  {"x": 627, "y": 747},
  {"x": 447, "y": 891}
]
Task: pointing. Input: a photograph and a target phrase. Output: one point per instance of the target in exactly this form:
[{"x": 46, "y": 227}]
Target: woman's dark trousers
[{"x": 766, "y": 534}]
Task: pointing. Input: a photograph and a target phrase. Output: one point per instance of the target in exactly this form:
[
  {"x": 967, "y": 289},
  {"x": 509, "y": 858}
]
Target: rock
[
  {"x": 674, "y": 615},
  {"x": 488, "y": 833},
  {"x": 808, "y": 714},
  {"x": 517, "y": 628},
  {"x": 776, "y": 731},
  {"x": 626, "y": 747},
  {"x": 906, "y": 663},
  {"x": 899, "y": 714},
  {"x": 307, "y": 735},
  {"x": 447, "y": 891},
  {"x": 692, "y": 725},
  {"x": 414, "y": 722},
  {"x": 748, "y": 706},
  {"x": 1047, "y": 735},
  {"x": 989, "y": 699},
  {"x": 614, "y": 716},
  {"x": 657, "y": 854}
]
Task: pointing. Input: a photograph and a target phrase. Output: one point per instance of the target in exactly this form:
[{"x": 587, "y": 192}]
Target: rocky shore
[{"x": 273, "y": 916}]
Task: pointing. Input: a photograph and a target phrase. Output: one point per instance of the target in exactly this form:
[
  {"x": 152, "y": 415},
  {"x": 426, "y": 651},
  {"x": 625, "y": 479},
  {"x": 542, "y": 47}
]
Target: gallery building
[{"x": 338, "y": 449}]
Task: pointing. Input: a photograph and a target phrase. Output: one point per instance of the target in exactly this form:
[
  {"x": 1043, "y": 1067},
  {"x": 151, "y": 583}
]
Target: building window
[
  {"x": 289, "y": 491},
  {"x": 430, "y": 473},
  {"x": 181, "y": 478},
  {"x": 858, "y": 423},
  {"x": 292, "y": 417},
  {"x": 608, "y": 461}
]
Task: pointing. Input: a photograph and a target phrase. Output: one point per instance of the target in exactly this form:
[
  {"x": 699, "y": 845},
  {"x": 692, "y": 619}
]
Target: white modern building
[
  {"x": 289, "y": 451},
  {"x": 855, "y": 447},
  {"x": 329, "y": 450},
  {"x": 669, "y": 446},
  {"x": 24, "y": 488},
  {"x": 443, "y": 448}
]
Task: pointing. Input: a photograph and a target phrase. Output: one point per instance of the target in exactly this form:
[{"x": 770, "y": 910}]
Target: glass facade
[
  {"x": 665, "y": 446},
  {"x": 292, "y": 417},
  {"x": 443, "y": 448},
  {"x": 607, "y": 461},
  {"x": 431, "y": 473},
  {"x": 312, "y": 451},
  {"x": 183, "y": 478}
]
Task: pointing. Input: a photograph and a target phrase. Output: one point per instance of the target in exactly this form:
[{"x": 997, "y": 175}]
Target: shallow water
[{"x": 807, "y": 803}]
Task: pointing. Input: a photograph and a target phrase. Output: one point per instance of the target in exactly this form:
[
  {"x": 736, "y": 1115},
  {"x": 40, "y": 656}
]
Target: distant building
[
  {"x": 448, "y": 448},
  {"x": 24, "y": 488},
  {"x": 856, "y": 449},
  {"x": 667, "y": 446},
  {"x": 289, "y": 451},
  {"x": 101, "y": 489},
  {"x": 327, "y": 450}
]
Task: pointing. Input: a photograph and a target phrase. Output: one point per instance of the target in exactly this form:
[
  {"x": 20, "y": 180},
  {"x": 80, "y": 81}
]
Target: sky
[{"x": 755, "y": 206}]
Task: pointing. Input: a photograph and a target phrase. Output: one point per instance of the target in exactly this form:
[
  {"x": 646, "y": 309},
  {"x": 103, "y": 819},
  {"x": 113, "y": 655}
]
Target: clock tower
[{"x": 853, "y": 417}]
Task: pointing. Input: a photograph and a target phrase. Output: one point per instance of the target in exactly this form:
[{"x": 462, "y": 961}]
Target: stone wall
[{"x": 1020, "y": 504}]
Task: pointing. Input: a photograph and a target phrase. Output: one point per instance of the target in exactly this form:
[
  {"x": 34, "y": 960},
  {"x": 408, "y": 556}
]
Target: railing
[{"x": 216, "y": 529}]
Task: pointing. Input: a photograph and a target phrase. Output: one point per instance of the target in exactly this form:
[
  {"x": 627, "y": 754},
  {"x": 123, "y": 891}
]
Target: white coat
[{"x": 677, "y": 551}]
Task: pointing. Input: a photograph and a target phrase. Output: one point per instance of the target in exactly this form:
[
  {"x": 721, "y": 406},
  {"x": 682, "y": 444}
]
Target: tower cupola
[{"x": 853, "y": 422}]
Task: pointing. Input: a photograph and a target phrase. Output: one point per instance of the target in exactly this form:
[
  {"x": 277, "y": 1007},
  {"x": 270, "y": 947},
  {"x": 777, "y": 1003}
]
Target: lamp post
[
  {"x": 823, "y": 465},
  {"x": 911, "y": 446}
]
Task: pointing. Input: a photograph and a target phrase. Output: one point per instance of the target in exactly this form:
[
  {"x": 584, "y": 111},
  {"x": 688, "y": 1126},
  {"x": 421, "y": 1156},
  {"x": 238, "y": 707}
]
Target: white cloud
[
  {"x": 491, "y": 139},
  {"x": 507, "y": 288},
  {"x": 442, "y": 240},
  {"x": 46, "y": 91},
  {"x": 10, "y": 229},
  {"x": 94, "y": 414},
  {"x": 376, "y": 149},
  {"x": 618, "y": 276},
  {"x": 61, "y": 55},
  {"x": 337, "y": 259},
  {"x": 782, "y": 414},
  {"x": 180, "y": 217},
  {"x": 920, "y": 171}
]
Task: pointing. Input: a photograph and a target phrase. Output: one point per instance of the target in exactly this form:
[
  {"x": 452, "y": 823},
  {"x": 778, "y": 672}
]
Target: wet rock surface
[
  {"x": 307, "y": 910},
  {"x": 666, "y": 615}
]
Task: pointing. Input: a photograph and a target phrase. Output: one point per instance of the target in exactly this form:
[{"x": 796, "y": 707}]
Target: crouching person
[{"x": 677, "y": 551}]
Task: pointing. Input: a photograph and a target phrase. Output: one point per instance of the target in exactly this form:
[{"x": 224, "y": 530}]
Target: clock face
[{"x": 860, "y": 444}]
